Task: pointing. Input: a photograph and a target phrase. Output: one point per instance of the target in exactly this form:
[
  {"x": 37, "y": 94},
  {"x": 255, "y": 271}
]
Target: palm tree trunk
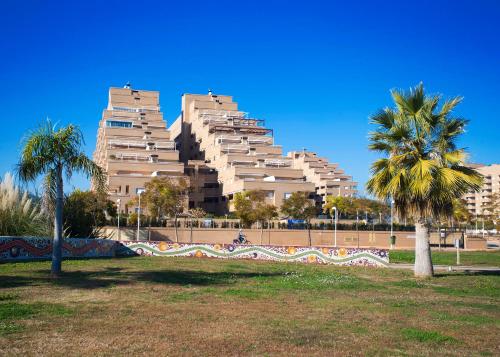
[
  {"x": 423, "y": 262},
  {"x": 58, "y": 226}
]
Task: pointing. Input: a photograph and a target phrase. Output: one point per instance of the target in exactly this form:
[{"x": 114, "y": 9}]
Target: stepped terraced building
[
  {"x": 218, "y": 147},
  {"x": 133, "y": 144}
]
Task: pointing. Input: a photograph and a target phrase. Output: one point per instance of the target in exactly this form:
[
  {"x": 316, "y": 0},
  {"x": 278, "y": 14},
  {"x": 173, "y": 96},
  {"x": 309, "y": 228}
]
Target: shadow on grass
[
  {"x": 468, "y": 273},
  {"x": 115, "y": 276}
]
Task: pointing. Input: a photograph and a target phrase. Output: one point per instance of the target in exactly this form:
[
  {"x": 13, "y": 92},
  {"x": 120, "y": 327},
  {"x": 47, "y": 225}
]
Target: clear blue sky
[{"x": 314, "y": 70}]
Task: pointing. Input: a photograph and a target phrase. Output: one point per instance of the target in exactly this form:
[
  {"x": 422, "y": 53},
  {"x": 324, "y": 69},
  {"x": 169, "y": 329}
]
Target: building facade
[
  {"x": 219, "y": 148},
  {"x": 478, "y": 203},
  {"x": 328, "y": 178},
  {"x": 134, "y": 145}
]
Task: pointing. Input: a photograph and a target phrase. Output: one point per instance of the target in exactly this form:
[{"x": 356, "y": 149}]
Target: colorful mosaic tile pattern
[
  {"x": 321, "y": 255},
  {"x": 21, "y": 248}
]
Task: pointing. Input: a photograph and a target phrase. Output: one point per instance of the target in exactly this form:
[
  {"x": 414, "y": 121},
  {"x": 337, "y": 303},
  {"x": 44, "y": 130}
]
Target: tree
[
  {"x": 166, "y": 196},
  {"x": 423, "y": 170},
  {"x": 491, "y": 209},
  {"x": 85, "y": 213},
  {"x": 344, "y": 205},
  {"x": 299, "y": 206},
  {"x": 56, "y": 153},
  {"x": 20, "y": 215},
  {"x": 460, "y": 212},
  {"x": 245, "y": 204},
  {"x": 195, "y": 213},
  {"x": 264, "y": 212}
]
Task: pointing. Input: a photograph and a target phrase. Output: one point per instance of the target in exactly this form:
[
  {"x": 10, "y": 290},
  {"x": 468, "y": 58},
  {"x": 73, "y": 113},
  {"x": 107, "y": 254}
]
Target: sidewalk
[{"x": 461, "y": 268}]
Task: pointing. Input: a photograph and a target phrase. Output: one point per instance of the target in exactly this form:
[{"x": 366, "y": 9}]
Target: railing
[
  {"x": 277, "y": 163},
  {"x": 242, "y": 163},
  {"x": 235, "y": 148},
  {"x": 143, "y": 109},
  {"x": 221, "y": 139},
  {"x": 260, "y": 140},
  {"x": 168, "y": 145},
  {"x": 222, "y": 113}
]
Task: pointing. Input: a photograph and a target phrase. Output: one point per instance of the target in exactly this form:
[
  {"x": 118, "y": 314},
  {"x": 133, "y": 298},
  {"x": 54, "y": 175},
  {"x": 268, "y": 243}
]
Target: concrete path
[{"x": 462, "y": 268}]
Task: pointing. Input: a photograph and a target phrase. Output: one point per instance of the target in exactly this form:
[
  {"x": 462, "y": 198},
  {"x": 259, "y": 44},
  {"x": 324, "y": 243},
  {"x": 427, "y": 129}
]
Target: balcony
[
  {"x": 142, "y": 144},
  {"x": 142, "y": 109},
  {"x": 277, "y": 163},
  {"x": 235, "y": 149}
]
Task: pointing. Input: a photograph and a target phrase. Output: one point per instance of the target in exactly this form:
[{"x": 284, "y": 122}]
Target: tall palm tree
[
  {"x": 54, "y": 153},
  {"x": 423, "y": 169}
]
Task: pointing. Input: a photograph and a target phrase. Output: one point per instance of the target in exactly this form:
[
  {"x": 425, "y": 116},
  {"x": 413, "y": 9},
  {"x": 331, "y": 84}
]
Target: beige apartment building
[
  {"x": 219, "y": 148},
  {"x": 328, "y": 178},
  {"x": 477, "y": 202},
  {"x": 133, "y": 144},
  {"x": 239, "y": 148}
]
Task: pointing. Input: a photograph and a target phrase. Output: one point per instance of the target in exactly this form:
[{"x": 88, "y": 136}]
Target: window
[
  {"x": 287, "y": 195},
  {"x": 270, "y": 194},
  {"x": 126, "y": 189},
  {"x": 118, "y": 124}
]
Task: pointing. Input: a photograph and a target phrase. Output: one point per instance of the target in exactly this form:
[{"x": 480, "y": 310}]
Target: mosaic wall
[
  {"x": 321, "y": 255},
  {"x": 17, "y": 248}
]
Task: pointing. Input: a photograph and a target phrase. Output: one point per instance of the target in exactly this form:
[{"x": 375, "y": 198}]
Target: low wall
[
  {"x": 25, "y": 248},
  {"x": 367, "y": 239},
  {"x": 285, "y": 237},
  {"x": 322, "y": 255}
]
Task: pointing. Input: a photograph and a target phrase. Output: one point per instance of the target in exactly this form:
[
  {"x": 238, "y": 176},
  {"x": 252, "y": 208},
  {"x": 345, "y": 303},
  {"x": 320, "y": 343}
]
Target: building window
[
  {"x": 126, "y": 189},
  {"x": 270, "y": 194},
  {"x": 118, "y": 124},
  {"x": 287, "y": 195}
]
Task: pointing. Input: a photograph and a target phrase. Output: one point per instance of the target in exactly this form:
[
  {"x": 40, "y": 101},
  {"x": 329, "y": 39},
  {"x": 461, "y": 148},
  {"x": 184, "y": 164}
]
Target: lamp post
[
  {"x": 139, "y": 192},
  {"x": 118, "y": 201},
  {"x": 335, "y": 231},
  {"x": 392, "y": 217},
  {"x": 357, "y": 227}
]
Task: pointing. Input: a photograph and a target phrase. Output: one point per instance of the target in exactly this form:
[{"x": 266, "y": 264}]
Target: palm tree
[
  {"x": 423, "y": 170},
  {"x": 54, "y": 153}
]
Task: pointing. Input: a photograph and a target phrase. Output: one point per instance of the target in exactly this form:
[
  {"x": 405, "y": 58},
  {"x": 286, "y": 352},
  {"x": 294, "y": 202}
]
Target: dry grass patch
[{"x": 191, "y": 307}]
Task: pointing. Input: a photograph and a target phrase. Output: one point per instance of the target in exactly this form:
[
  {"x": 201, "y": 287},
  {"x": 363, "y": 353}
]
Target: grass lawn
[
  {"x": 488, "y": 258},
  {"x": 206, "y": 307}
]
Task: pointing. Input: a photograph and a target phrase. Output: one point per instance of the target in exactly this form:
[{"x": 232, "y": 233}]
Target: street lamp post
[
  {"x": 392, "y": 220},
  {"x": 357, "y": 225},
  {"x": 335, "y": 232},
  {"x": 118, "y": 201},
  {"x": 139, "y": 192}
]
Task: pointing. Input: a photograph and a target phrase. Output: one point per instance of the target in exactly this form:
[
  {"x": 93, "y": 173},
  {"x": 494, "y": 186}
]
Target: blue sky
[{"x": 314, "y": 70}]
